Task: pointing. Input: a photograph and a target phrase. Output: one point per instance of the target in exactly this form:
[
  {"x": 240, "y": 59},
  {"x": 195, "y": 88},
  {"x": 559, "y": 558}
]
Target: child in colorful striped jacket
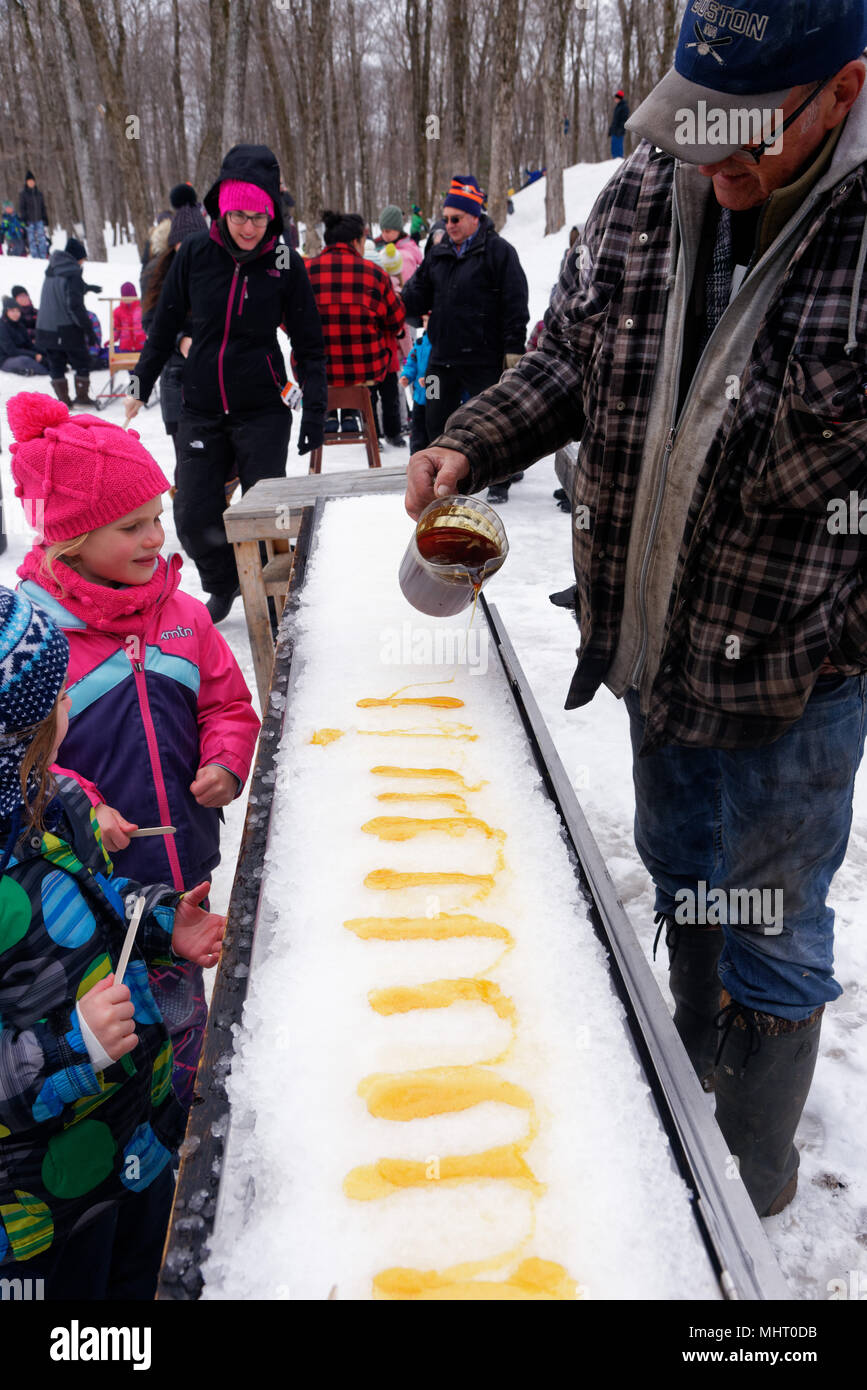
[{"x": 88, "y": 1120}]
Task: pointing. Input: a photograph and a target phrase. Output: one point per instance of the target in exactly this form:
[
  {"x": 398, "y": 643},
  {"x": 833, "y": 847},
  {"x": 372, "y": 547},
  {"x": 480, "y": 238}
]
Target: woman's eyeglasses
[{"x": 259, "y": 219}]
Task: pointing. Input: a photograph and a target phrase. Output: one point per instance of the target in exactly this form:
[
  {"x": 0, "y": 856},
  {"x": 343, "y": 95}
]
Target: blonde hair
[
  {"x": 37, "y": 760},
  {"x": 60, "y": 550}
]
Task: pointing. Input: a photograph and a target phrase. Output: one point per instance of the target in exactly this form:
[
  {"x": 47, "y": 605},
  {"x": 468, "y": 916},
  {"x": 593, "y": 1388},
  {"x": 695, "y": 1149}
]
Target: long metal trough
[{"x": 737, "y": 1249}]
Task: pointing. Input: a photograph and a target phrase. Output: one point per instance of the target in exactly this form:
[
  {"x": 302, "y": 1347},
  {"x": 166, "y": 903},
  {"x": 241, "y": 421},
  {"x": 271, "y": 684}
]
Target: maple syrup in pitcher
[{"x": 458, "y": 543}]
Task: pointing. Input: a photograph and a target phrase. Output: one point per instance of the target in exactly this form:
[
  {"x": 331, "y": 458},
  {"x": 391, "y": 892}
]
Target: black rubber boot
[
  {"x": 564, "y": 598},
  {"x": 61, "y": 389},
  {"x": 764, "y": 1072},
  {"x": 693, "y": 955}
]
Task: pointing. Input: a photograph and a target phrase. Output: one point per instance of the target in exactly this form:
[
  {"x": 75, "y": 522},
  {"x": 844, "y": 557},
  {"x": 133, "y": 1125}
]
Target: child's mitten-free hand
[
  {"x": 214, "y": 785},
  {"x": 114, "y": 827},
  {"x": 197, "y": 934},
  {"x": 108, "y": 1010}
]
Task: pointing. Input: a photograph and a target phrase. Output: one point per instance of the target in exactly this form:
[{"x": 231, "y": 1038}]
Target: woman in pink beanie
[
  {"x": 237, "y": 286},
  {"x": 161, "y": 724}
]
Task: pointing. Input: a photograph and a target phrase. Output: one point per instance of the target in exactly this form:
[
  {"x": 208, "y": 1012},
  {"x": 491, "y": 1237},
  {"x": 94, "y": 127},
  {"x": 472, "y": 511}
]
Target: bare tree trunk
[
  {"x": 208, "y": 162},
  {"x": 356, "y": 74},
  {"x": 80, "y": 128},
  {"x": 180, "y": 123},
  {"x": 458, "y": 84},
  {"x": 505, "y": 44},
  {"x": 284, "y": 146},
  {"x": 552, "y": 107},
  {"x": 335, "y": 173},
  {"x": 419, "y": 67},
  {"x": 234, "y": 114},
  {"x": 311, "y": 32},
  {"x": 44, "y": 67},
  {"x": 118, "y": 115}
]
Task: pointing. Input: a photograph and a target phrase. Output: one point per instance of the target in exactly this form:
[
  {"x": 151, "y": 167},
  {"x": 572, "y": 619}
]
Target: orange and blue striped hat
[{"x": 465, "y": 194}]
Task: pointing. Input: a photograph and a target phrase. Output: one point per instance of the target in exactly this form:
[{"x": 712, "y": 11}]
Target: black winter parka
[
  {"x": 478, "y": 302},
  {"x": 235, "y": 306}
]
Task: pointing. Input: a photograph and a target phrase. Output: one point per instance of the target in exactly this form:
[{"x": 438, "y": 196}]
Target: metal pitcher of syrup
[{"x": 457, "y": 544}]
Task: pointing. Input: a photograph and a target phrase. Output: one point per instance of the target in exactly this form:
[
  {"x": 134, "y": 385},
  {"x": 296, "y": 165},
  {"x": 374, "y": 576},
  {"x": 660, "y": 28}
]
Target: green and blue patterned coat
[{"x": 72, "y": 1138}]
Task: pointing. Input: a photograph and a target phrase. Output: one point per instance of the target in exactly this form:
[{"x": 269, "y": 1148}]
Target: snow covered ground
[
  {"x": 311, "y": 1030},
  {"x": 823, "y": 1235}
]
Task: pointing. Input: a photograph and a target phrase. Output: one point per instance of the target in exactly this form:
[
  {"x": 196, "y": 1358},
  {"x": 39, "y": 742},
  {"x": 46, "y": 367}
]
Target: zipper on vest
[
  {"x": 222, "y": 351},
  {"x": 156, "y": 770}
]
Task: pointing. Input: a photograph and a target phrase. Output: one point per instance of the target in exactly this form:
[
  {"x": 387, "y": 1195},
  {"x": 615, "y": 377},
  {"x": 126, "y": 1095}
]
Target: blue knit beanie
[{"x": 34, "y": 656}]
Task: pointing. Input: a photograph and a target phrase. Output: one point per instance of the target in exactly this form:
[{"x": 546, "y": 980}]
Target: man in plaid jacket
[
  {"x": 707, "y": 345},
  {"x": 362, "y": 315}
]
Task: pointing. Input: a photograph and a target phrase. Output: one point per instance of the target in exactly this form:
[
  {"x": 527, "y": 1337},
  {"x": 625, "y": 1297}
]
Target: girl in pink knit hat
[{"x": 161, "y": 729}]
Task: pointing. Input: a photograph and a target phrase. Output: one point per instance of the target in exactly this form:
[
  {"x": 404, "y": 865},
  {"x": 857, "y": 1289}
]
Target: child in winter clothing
[
  {"x": 97, "y": 349},
  {"x": 161, "y": 718},
  {"x": 87, "y": 1118},
  {"x": 17, "y": 353},
  {"x": 129, "y": 336},
  {"x": 414, "y": 369},
  {"x": 13, "y": 231},
  {"x": 28, "y": 311}
]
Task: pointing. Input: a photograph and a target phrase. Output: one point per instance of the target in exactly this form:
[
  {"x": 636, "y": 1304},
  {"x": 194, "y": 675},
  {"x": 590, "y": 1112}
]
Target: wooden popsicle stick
[
  {"x": 129, "y": 939},
  {"x": 152, "y": 830}
]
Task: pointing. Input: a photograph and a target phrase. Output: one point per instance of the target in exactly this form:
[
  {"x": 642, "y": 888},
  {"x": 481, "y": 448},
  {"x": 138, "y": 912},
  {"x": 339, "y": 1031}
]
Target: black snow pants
[{"x": 211, "y": 450}]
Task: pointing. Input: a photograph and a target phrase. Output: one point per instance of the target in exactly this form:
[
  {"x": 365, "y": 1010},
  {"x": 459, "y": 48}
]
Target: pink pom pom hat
[{"x": 76, "y": 473}]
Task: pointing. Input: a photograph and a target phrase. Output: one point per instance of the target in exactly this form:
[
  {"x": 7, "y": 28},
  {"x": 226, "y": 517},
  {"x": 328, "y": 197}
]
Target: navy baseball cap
[{"x": 744, "y": 59}]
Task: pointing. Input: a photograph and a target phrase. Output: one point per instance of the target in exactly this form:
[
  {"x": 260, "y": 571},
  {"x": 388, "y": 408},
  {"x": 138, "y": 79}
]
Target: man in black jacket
[
  {"x": 34, "y": 215},
  {"x": 475, "y": 291},
  {"x": 63, "y": 329},
  {"x": 236, "y": 285},
  {"x": 617, "y": 128}
]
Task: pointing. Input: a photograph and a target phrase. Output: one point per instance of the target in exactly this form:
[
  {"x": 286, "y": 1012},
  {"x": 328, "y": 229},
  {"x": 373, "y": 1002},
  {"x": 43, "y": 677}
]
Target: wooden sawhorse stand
[{"x": 271, "y": 512}]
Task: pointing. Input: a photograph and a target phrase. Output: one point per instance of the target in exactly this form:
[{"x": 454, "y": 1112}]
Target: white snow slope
[{"x": 822, "y": 1236}]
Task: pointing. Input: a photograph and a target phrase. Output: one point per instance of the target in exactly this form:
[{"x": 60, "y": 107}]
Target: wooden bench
[{"x": 270, "y": 515}]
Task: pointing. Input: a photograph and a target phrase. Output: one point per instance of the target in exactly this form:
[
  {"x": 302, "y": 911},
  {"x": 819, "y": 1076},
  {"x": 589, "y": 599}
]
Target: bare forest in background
[{"x": 111, "y": 102}]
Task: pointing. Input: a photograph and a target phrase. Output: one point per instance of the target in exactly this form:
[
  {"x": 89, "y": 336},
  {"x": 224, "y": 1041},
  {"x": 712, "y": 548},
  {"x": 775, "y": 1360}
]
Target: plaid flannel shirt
[
  {"x": 361, "y": 315},
  {"x": 758, "y": 560}
]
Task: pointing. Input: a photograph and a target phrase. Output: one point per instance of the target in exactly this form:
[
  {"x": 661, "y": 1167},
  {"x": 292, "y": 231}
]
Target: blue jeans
[
  {"x": 37, "y": 240},
  {"x": 617, "y": 147},
  {"x": 774, "y": 819}
]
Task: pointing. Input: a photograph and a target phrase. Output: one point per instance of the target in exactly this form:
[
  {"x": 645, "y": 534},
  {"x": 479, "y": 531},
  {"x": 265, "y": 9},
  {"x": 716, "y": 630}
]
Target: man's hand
[
  {"x": 108, "y": 1010},
  {"x": 132, "y": 408},
  {"x": 197, "y": 934},
  {"x": 433, "y": 473},
  {"x": 214, "y": 785},
  {"x": 115, "y": 829},
  {"x": 184, "y": 346},
  {"x": 511, "y": 359}
]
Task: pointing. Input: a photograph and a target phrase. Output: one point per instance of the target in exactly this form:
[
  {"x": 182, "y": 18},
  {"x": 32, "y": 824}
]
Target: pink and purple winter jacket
[
  {"x": 129, "y": 336},
  {"x": 155, "y": 694}
]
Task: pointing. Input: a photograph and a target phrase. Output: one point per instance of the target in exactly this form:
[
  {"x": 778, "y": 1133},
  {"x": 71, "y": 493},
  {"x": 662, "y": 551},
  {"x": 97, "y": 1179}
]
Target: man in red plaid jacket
[
  {"x": 707, "y": 344},
  {"x": 361, "y": 314}
]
